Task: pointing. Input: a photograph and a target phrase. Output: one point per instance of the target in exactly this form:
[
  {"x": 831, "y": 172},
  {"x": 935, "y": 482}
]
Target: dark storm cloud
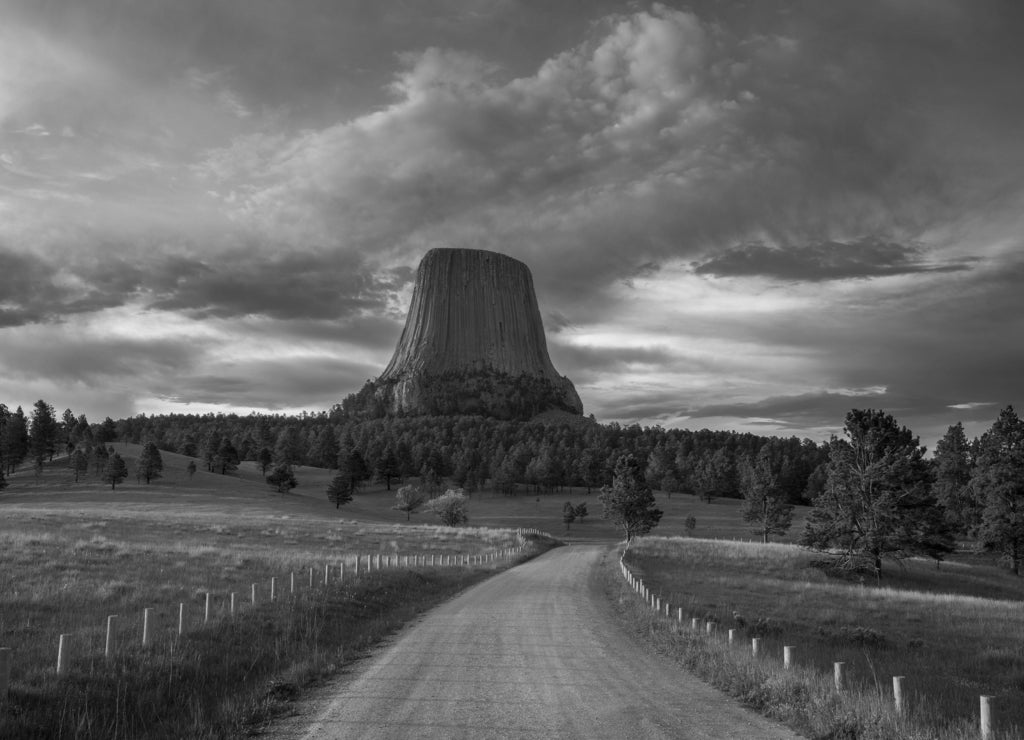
[
  {"x": 314, "y": 382},
  {"x": 33, "y": 290},
  {"x": 96, "y": 361},
  {"x": 291, "y": 286},
  {"x": 866, "y": 258}
]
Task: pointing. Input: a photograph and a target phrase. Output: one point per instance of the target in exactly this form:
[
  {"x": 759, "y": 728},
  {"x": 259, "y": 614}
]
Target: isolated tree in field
[
  {"x": 150, "y": 463},
  {"x": 690, "y": 524},
  {"x": 450, "y": 507},
  {"x": 43, "y": 432},
  {"x": 628, "y": 502},
  {"x": 116, "y": 471},
  {"x": 340, "y": 490},
  {"x": 568, "y": 514},
  {"x": 264, "y": 459},
  {"x": 78, "y": 462},
  {"x": 282, "y": 478},
  {"x": 409, "y": 499},
  {"x": 877, "y": 500},
  {"x": 764, "y": 502},
  {"x": 581, "y": 511},
  {"x": 952, "y": 488},
  {"x": 998, "y": 484},
  {"x": 191, "y": 468}
]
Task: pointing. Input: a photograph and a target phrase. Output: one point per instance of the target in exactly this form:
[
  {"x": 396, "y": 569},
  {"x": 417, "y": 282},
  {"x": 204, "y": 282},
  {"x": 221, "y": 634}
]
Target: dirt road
[{"x": 530, "y": 653}]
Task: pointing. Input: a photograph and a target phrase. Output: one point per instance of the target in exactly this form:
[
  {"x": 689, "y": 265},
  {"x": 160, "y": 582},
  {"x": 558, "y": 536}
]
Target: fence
[
  {"x": 231, "y": 606},
  {"x": 710, "y": 629}
]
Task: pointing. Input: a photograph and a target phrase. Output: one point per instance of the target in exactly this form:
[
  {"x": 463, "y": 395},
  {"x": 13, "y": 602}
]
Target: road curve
[{"x": 530, "y": 653}]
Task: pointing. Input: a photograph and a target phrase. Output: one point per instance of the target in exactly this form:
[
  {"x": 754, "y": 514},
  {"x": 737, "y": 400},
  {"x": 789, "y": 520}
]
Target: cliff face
[{"x": 473, "y": 343}]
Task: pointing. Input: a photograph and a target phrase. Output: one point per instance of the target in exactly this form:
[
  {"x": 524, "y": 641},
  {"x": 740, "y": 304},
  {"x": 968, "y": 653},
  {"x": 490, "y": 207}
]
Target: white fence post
[
  {"x": 839, "y": 675},
  {"x": 755, "y": 646},
  {"x": 273, "y": 588},
  {"x": 206, "y": 609},
  {"x": 986, "y": 717},
  {"x": 108, "y": 646},
  {"x": 181, "y": 618},
  {"x": 63, "y": 646},
  {"x": 232, "y": 603},
  {"x": 897, "y": 692},
  {"x": 146, "y": 614},
  {"x": 787, "y": 656}
]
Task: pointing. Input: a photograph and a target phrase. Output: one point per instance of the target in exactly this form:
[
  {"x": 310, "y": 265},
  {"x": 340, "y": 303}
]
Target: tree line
[{"x": 474, "y": 452}]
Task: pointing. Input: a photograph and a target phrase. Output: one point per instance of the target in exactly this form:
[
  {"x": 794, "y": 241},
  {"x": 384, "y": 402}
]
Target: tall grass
[
  {"x": 62, "y": 573},
  {"x": 951, "y": 643}
]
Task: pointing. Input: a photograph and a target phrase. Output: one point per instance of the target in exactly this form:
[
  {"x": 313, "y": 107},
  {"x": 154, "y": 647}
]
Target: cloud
[{"x": 865, "y": 258}]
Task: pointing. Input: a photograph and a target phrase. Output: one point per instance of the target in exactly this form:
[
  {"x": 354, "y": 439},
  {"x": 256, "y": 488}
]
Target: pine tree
[
  {"x": 340, "y": 490},
  {"x": 628, "y": 502},
  {"x": 43, "y": 432},
  {"x": 877, "y": 500},
  {"x": 226, "y": 460},
  {"x": 282, "y": 478},
  {"x": 998, "y": 484},
  {"x": 116, "y": 471},
  {"x": 764, "y": 501},
  {"x": 79, "y": 463},
  {"x": 150, "y": 463},
  {"x": 953, "y": 467}
]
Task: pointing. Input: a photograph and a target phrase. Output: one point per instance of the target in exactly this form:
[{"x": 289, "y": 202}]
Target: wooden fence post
[
  {"x": 897, "y": 692},
  {"x": 710, "y": 627},
  {"x": 63, "y": 646},
  {"x": 341, "y": 573},
  {"x": 732, "y": 636},
  {"x": 253, "y": 598},
  {"x": 206, "y": 609},
  {"x": 327, "y": 573},
  {"x": 108, "y": 646},
  {"x": 311, "y": 577},
  {"x": 839, "y": 675},
  {"x": 755, "y": 646},
  {"x": 5, "y": 673},
  {"x": 232, "y": 603},
  {"x": 147, "y": 619},
  {"x": 693, "y": 623},
  {"x": 273, "y": 588},
  {"x": 986, "y": 717},
  {"x": 291, "y": 582},
  {"x": 787, "y": 656},
  {"x": 181, "y": 618}
]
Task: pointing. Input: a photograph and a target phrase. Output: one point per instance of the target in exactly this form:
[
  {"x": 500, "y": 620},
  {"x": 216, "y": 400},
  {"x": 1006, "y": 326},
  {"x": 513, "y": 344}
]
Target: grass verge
[{"x": 951, "y": 647}]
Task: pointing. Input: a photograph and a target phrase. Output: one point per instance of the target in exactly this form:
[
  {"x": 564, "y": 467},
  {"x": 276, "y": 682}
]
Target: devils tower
[{"x": 473, "y": 343}]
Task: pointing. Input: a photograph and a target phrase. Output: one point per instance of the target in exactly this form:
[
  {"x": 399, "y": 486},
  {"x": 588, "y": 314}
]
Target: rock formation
[{"x": 473, "y": 343}]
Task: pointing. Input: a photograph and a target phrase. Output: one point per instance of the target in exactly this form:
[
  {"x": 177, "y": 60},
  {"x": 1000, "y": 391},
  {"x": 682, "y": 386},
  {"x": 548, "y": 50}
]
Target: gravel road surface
[{"x": 532, "y": 653}]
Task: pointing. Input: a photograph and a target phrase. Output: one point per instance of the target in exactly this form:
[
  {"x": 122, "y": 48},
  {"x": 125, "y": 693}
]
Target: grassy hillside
[
  {"x": 243, "y": 493},
  {"x": 72, "y": 554},
  {"x": 955, "y": 633}
]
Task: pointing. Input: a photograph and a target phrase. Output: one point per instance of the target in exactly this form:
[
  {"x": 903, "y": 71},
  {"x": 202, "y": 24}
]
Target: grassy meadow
[
  {"x": 72, "y": 554},
  {"x": 955, "y": 633}
]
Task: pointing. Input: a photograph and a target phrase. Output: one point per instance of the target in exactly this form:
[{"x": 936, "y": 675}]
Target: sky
[{"x": 738, "y": 215}]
